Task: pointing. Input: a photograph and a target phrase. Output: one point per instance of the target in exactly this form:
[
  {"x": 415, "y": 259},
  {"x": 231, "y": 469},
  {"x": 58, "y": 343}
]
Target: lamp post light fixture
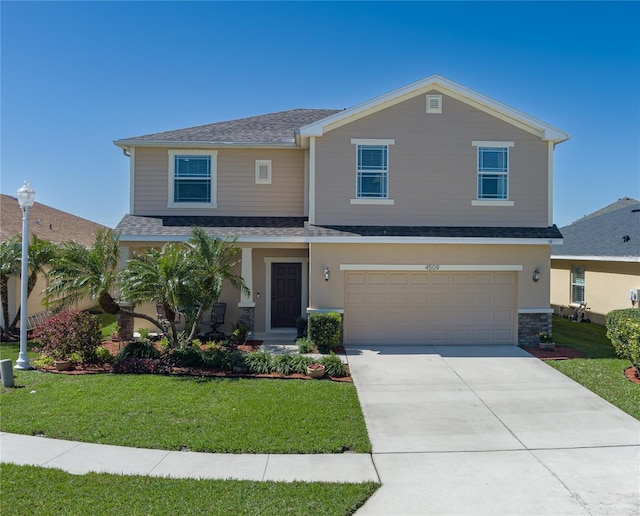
[{"x": 26, "y": 198}]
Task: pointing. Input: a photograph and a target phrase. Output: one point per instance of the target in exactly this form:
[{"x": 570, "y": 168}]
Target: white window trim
[
  {"x": 372, "y": 141},
  {"x": 436, "y": 110},
  {"x": 574, "y": 284},
  {"x": 492, "y": 202},
  {"x": 214, "y": 178},
  {"x": 259, "y": 163}
]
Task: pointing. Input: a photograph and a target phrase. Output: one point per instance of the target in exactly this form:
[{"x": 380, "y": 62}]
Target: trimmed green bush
[
  {"x": 333, "y": 365},
  {"x": 623, "y": 329},
  {"x": 324, "y": 329},
  {"x": 305, "y": 345},
  {"x": 138, "y": 349}
]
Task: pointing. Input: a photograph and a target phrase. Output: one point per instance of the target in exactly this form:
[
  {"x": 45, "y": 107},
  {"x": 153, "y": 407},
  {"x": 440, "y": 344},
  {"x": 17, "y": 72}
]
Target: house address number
[{"x": 432, "y": 267}]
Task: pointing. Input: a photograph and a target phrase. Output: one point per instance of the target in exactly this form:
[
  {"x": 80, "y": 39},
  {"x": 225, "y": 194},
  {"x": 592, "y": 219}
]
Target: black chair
[{"x": 215, "y": 319}]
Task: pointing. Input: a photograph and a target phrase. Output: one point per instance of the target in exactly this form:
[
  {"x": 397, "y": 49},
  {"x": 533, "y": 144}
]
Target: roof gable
[
  {"x": 444, "y": 86},
  {"x": 612, "y": 232}
]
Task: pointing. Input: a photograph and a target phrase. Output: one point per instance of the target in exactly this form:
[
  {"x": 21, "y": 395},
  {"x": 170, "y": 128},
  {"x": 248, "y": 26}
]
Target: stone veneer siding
[
  {"x": 246, "y": 316},
  {"x": 529, "y": 325}
]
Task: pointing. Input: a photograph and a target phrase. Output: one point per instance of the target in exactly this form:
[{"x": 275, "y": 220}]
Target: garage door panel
[{"x": 430, "y": 307}]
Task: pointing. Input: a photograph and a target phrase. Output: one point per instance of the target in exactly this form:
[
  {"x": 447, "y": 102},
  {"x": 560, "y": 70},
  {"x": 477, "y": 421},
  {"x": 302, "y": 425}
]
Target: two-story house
[{"x": 423, "y": 215}]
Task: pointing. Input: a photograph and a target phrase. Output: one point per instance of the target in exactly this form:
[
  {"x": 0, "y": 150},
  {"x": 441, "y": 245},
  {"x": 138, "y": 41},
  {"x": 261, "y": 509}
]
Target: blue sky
[{"x": 78, "y": 75}]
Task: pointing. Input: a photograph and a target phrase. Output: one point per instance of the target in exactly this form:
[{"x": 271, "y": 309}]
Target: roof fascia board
[
  {"x": 185, "y": 238},
  {"x": 457, "y": 91},
  {"x": 434, "y": 240},
  {"x": 126, "y": 144},
  {"x": 588, "y": 258}
]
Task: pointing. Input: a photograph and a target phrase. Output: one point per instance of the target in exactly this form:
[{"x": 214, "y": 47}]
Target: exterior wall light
[
  {"x": 536, "y": 275},
  {"x": 326, "y": 273}
]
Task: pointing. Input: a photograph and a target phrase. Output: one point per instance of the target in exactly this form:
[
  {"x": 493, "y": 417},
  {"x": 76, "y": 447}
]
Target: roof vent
[
  {"x": 626, "y": 238},
  {"x": 434, "y": 103}
]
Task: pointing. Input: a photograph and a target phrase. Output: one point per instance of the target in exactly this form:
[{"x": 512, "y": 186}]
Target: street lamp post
[{"x": 26, "y": 198}]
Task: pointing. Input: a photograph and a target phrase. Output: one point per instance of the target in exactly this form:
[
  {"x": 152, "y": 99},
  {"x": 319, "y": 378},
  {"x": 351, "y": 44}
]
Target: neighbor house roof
[
  {"x": 609, "y": 234},
  {"x": 45, "y": 222},
  {"x": 297, "y": 229},
  {"x": 271, "y": 129}
]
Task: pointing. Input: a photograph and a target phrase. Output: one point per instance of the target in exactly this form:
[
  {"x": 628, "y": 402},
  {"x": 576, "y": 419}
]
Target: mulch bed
[
  {"x": 249, "y": 346},
  {"x": 560, "y": 353}
]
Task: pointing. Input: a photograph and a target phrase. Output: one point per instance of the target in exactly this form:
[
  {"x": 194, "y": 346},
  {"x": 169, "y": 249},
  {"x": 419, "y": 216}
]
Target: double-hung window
[
  {"x": 493, "y": 170},
  {"x": 372, "y": 170},
  {"x": 577, "y": 284},
  {"x": 192, "y": 179}
]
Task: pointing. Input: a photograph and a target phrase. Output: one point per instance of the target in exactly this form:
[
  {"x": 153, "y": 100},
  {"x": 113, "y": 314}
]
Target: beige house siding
[
  {"x": 237, "y": 191},
  {"x": 330, "y": 294},
  {"x": 607, "y": 286},
  {"x": 432, "y": 169}
]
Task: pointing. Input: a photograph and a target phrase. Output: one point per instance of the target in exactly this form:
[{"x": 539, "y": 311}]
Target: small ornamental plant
[{"x": 544, "y": 337}]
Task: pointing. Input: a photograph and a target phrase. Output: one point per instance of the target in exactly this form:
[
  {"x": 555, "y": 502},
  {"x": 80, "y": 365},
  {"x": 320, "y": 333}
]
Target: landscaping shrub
[
  {"x": 103, "y": 355},
  {"x": 324, "y": 330},
  {"x": 623, "y": 329},
  {"x": 216, "y": 358},
  {"x": 299, "y": 363},
  {"x": 134, "y": 365},
  {"x": 305, "y": 345},
  {"x": 190, "y": 356},
  {"x": 333, "y": 365},
  {"x": 283, "y": 364},
  {"x": 69, "y": 332},
  {"x": 138, "y": 349},
  {"x": 259, "y": 362}
]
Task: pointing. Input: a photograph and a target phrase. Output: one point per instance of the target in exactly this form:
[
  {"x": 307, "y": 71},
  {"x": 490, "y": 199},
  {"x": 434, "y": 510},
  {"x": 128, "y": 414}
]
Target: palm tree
[
  {"x": 80, "y": 272},
  {"x": 184, "y": 278},
  {"x": 41, "y": 255},
  {"x": 162, "y": 276},
  {"x": 10, "y": 259}
]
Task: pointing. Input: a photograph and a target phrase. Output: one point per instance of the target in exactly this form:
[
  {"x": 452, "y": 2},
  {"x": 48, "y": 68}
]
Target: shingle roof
[
  {"x": 269, "y": 128},
  {"x": 613, "y": 231},
  {"x": 45, "y": 222},
  {"x": 298, "y": 227}
]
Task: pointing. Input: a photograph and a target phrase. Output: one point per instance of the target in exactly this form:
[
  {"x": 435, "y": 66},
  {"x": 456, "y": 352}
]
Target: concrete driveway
[{"x": 491, "y": 430}]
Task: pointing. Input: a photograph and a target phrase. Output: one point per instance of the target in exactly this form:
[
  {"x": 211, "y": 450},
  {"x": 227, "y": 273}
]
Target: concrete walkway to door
[{"x": 491, "y": 430}]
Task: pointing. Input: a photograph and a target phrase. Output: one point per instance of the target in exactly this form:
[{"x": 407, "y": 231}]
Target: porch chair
[{"x": 215, "y": 319}]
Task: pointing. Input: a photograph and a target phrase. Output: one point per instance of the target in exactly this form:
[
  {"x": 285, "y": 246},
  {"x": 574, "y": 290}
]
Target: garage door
[{"x": 384, "y": 307}]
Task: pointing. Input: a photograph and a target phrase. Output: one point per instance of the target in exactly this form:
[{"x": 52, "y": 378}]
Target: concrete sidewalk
[
  {"x": 491, "y": 430},
  {"x": 80, "y": 458}
]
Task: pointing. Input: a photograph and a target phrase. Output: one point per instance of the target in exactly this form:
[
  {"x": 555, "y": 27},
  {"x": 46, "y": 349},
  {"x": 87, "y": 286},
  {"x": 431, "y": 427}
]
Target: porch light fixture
[
  {"x": 326, "y": 273},
  {"x": 536, "y": 275},
  {"x": 26, "y": 198}
]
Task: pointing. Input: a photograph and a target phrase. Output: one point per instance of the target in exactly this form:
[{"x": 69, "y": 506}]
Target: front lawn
[
  {"x": 210, "y": 415},
  {"x": 601, "y": 371},
  {"x": 28, "y": 490}
]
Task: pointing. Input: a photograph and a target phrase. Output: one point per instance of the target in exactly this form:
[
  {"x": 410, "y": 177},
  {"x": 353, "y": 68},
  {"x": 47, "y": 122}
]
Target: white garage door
[{"x": 384, "y": 307}]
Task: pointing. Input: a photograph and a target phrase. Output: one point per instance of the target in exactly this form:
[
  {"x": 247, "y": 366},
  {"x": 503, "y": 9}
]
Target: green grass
[
  {"x": 108, "y": 324},
  {"x": 601, "y": 371},
  {"x": 30, "y": 490},
  {"x": 173, "y": 413}
]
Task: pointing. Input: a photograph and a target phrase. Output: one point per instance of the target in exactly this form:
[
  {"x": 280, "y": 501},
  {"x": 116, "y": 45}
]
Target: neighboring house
[
  {"x": 421, "y": 215},
  {"x": 48, "y": 224},
  {"x": 599, "y": 262}
]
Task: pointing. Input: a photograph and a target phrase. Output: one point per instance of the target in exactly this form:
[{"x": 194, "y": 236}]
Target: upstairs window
[
  {"x": 372, "y": 170},
  {"x": 577, "y": 284},
  {"x": 493, "y": 170},
  {"x": 192, "y": 178}
]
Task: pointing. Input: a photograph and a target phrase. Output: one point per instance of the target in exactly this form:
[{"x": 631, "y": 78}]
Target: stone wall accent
[
  {"x": 246, "y": 316},
  {"x": 125, "y": 324},
  {"x": 529, "y": 325}
]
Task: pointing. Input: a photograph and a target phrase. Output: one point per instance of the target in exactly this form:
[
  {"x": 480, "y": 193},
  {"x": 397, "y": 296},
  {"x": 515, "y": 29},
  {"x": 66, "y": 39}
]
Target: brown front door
[{"x": 286, "y": 294}]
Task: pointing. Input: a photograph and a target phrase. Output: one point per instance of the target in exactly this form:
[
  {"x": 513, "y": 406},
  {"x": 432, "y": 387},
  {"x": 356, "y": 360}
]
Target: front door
[{"x": 286, "y": 294}]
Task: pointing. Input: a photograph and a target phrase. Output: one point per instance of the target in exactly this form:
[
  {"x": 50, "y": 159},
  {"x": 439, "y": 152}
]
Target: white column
[{"x": 247, "y": 274}]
